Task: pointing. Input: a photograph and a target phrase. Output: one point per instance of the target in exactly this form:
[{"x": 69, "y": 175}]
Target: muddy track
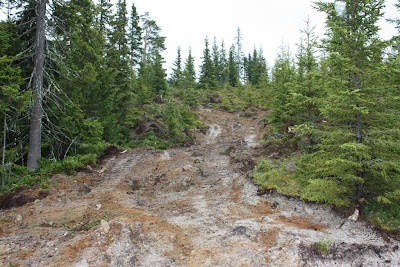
[{"x": 191, "y": 206}]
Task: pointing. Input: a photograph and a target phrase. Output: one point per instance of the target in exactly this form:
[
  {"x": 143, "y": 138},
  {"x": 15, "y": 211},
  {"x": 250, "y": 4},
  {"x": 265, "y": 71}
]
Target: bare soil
[{"x": 192, "y": 206}]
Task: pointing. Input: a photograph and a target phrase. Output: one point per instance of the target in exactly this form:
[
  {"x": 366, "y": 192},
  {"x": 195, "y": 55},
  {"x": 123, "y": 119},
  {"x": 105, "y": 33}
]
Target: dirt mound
[
  {"x": 21, "y": 197},
  {"x": 111, "y": 150}
]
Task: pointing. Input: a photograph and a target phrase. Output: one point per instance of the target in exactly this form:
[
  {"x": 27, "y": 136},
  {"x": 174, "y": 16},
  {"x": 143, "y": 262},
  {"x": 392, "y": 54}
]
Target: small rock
[
  {"x": 18, "y": 218},
  {"x": 36, "y": 202},
  {"x": 98, "y": 206},
  {"x": 51, "y": 223},
  {"x": 355, "y": 216},
  {"x": 241, "y": 230},
  {"x": 188, "y": 168},
  {"x": 197, "y": 154},
  {"x": 291, "y": 167},
  {"x": 309, "y": 211},
  {"x": 105, "y": 226}
]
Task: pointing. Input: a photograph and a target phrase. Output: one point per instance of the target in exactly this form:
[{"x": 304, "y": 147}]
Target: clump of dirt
[
  {"x": 302, "y": 223},
  {"x": 215, "y": 99},
  {"x": 111, "y": 151},
  {"x": 341, "y": 253},
  {"x": 21, "y": 196},
  {"x": 270, "y": 237}
]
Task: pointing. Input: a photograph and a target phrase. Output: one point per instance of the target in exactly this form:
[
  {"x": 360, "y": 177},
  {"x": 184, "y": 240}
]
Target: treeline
[
  {"x": 220, "y": 68},
  {"x": 336, "y": 105}
]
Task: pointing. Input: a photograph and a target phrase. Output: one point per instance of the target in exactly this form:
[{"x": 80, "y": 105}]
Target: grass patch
[
  {"x": 384, "y": 216},
  {"x": 321, "y": 248}
]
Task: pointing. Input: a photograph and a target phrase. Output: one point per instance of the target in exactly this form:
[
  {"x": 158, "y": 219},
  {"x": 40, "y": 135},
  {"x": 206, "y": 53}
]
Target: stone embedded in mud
[
  {"x": 241, "y": 230},
  {"x": 18, "y": 218},
  {"x": 105, "y": 226}
]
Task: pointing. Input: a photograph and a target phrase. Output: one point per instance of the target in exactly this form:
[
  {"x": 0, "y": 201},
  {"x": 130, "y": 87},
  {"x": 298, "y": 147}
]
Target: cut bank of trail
[{"x": 192, "y": 206}]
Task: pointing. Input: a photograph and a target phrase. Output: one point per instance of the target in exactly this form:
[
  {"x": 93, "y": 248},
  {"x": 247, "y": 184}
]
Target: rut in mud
[{"x": 192, "y": 206}]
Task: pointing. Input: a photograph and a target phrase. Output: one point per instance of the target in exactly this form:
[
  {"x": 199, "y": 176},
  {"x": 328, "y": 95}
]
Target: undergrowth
[
  {"x": 164, "y": 125},
  {"x": 305, "y": 176},
  {"x": 242, "y": 98}
]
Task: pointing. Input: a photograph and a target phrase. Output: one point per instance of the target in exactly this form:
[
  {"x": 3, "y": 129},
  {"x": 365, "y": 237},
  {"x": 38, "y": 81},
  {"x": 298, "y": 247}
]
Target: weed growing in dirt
[
  {"x": 321, "y": 248},
  {"x": 87, "y": 226}
]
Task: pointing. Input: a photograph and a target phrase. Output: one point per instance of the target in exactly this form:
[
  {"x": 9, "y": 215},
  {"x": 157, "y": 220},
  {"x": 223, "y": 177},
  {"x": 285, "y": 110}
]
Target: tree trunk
[
  {"x": 35, "y": 131},
  {"x": 359, "y": 140},
  {"x": 3, "y": 161}
]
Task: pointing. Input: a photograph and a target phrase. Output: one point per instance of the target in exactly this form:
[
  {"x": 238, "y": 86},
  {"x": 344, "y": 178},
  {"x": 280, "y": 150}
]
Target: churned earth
[{"x": 191, "y": 206}]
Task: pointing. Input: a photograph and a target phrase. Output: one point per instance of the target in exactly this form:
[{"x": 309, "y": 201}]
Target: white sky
[{"x": 263, "y": 23}]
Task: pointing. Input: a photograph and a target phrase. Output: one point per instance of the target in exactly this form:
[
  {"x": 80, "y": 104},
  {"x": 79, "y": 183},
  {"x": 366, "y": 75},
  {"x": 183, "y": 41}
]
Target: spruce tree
[
  {"x": 189, "y": 72},
  {"x": 135, "y": 37},
  {"x": 256, "y": 68},
  {"x": 104, "y": 16},
  {"x": 158, "y": 81},
  {"x": 120, "y": 65},
  {"x": 351, "y": 160},
  {"x": 283, "y": 74},
  {"x": 177, "y": 75},
  {"x": 239, "y": 55},
  {"x": 307, "y": 90},
  {"x": 233, "y": 75},
  {"x": 12, "y": 101},
  {"x": 223, "y": 66},
  {"x": 216, "y": 59},
  {"x": 207, "y": 71}
]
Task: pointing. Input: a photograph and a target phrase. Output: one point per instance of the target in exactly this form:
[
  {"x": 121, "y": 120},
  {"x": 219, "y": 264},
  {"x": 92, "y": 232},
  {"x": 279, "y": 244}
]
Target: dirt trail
[{"x": 189, "y": 206}]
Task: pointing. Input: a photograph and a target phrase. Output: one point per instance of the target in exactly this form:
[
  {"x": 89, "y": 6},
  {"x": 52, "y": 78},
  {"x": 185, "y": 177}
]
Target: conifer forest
[{"x": 81, "y": 77}]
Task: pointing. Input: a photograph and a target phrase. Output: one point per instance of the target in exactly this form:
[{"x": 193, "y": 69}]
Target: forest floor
[{"x": 191, "y": 206}]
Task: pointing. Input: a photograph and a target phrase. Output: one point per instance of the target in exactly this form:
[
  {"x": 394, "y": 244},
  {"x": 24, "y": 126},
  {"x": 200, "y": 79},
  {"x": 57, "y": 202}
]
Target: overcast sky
[{"x": 263, "y": 23}]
